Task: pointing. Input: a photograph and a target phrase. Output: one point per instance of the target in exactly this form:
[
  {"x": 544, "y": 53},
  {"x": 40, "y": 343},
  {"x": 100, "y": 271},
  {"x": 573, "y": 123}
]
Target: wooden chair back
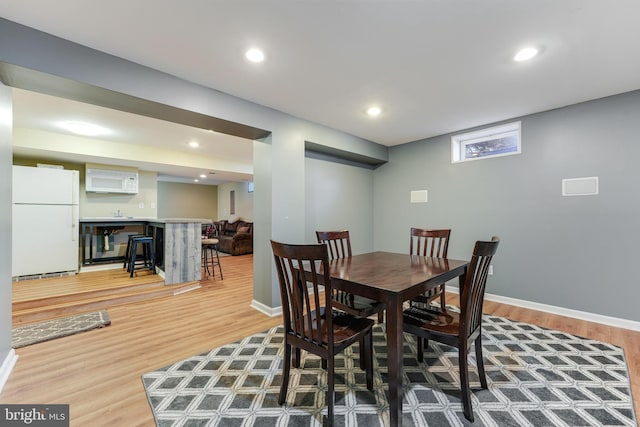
[
  {"x": 431, "y": 243},
  {"x": 474, "y": 286},
  {"x": 339, "y": 247},
  {"x": 337, "y": 242},
  {"x": 300, "y": 293}
]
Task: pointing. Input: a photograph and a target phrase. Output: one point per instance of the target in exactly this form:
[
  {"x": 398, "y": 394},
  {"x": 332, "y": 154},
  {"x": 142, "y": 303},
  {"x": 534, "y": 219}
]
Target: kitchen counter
[
  {"x": 102, "y": 219},
  {"x": 177, "y": 243}
]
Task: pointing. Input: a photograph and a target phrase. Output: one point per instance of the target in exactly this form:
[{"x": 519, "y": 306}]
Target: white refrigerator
[{"x": 45, "y": 221}]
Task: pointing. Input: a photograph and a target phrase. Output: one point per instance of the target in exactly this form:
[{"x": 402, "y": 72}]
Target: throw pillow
[{"x": 233, "y": 218}]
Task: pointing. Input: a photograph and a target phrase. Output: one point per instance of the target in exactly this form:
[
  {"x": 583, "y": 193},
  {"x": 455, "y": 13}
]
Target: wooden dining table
[{"x": 392, "y": 279}]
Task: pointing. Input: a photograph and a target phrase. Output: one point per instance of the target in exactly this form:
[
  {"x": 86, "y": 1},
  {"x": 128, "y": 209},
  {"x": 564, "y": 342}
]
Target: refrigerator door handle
[
  {"x": 75, "y": 188},
  {"x": 74, "y": 222}
]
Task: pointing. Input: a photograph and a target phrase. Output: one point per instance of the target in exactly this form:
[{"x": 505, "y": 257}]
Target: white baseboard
[
  {"x": 263, "y": 308},
  {"x": 7, "y": 366},
  {"x": 101, "y": 267},
  {"x": 561, "y": 311}
]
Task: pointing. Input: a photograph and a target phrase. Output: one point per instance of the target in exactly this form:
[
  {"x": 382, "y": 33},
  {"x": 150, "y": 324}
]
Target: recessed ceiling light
[
  {"x": 82, "y": 128},
  {"x": 374, "y": 111},
  {"x": 203, "y": 175},
  {"x": 196, "y": 180},
  {"x": 254, "y": 55},
  {"x": 525, "y": 54},
  {"x": 194, "y": 144}
]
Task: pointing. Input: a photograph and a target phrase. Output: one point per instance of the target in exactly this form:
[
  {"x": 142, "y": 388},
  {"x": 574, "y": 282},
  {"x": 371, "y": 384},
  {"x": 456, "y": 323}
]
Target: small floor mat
[{"x": 56, "y": 328}]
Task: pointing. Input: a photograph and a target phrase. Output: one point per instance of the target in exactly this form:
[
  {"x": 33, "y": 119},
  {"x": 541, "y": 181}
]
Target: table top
[{"x": 392, "y": 272}]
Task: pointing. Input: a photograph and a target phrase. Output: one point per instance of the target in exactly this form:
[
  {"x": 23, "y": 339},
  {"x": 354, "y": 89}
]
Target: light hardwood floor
[{"x": 98, "y": 372}]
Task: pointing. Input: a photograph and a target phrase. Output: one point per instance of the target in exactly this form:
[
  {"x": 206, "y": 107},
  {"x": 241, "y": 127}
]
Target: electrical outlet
[{"x": 491, "y": 270}]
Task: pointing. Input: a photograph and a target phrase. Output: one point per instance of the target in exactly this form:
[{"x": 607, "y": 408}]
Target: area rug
[
  {"x": 56, "y": 328},
  {"x": 537, "y": 377}
]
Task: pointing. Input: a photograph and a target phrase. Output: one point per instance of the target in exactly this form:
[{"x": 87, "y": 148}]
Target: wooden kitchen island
[
  {"x": 177, "y": 244},
  {"x": 178, "y": 247}
]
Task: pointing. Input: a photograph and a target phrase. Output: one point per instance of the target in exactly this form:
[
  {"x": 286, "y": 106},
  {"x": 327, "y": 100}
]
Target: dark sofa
[{"x": 235, "y": 238}]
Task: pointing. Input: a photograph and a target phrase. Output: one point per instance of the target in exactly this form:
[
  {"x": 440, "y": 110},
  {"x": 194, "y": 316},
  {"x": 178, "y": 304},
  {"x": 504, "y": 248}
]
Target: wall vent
[{"x": 587, "y": 186}]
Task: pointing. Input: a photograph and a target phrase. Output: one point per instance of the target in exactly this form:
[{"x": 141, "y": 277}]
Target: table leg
[{"x": 395, "y": 344}]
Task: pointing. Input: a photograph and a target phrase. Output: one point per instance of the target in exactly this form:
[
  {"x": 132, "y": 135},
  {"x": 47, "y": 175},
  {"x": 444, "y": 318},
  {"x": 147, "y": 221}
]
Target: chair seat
[
  {"x": 433, "y": 320},
  {"x": 345, "y": 327},
  {"x": 356, "y": 305}
]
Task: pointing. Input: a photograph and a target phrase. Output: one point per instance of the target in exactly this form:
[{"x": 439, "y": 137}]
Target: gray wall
[
  {"x": 243, "y": 201},
  {"x": 6, "y": 121},
  {"x": 181, "y": 200},
  {"x": 572, "y": 252},
  {"x": 339, "y": 197}
]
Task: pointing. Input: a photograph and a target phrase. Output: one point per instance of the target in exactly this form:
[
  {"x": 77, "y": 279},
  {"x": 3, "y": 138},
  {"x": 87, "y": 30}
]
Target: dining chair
[
  {"x": 308, "y": 324},
  {"x": 462, "y": 329},
  {"x": 339, "y": 246},
  {"x": 431, "y": 243}
]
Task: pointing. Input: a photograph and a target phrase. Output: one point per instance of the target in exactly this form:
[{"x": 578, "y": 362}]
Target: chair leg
[
  {"x": 330, "y": 389},
  {"x": 132, "y": 260},
  {"x": 152, "y": 255},
  {"x": 443, "y": 304},
  {"x": 480, "y": 362},
  {"x": 127, "y": 253},
  {"x": 218, "y": 262},
  {"x": 368, "y": 347},
  {"x": 420, "y": 341},
  {"x": 363, "y": 353},
  {"x": 464, "y": 382},
  {"x": 285, "y": 374},
  {"x": 381, "y": 316},
  {"x": 296, "y": 358}
]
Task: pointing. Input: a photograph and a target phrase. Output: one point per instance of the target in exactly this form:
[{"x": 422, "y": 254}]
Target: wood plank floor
[
  {"x": 98, "y": 372},
  {"x": 28, "y": 290}
]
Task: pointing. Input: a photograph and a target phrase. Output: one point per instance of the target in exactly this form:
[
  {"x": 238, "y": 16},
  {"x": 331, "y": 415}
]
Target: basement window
[{"x": 496, "y": 141}]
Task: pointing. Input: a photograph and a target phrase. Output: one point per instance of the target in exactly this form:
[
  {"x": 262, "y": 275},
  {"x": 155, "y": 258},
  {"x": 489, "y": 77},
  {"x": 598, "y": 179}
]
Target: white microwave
[{"x": 111, "y": 181}]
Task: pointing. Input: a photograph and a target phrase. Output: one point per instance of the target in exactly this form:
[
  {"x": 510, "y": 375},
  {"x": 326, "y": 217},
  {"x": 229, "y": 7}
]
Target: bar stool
[
  {"x": 127, "y": 252},
  {"x": 210, "y": 256},
  {"x": 148, "y": 260}
]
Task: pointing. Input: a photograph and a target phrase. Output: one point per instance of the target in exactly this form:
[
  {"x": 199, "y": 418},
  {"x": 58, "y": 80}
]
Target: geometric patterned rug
[
  {"x": 56, "y": 328},
  {"x": 536, "y": 377}
]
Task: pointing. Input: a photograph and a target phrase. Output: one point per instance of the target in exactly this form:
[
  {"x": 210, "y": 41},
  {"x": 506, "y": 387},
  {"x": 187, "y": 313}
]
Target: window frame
[{"x": 461, "y": 141}]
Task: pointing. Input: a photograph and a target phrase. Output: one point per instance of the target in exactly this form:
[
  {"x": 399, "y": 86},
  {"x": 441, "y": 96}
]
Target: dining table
[{"x": 393, "y": 278}]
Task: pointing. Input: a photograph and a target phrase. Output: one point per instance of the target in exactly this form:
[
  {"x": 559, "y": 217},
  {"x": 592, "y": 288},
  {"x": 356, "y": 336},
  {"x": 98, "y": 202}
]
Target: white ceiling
[
  {"x": 37, "y": 111},
  {"x": 434, "y": 66}
]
